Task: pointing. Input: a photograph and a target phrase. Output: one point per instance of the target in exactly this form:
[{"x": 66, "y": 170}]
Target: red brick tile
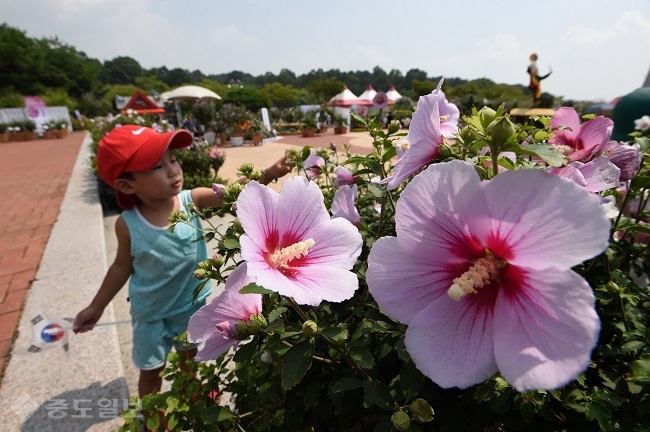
[
  {"x": 5, "y": 346},
  {"x": 13, "y": 302},
  {"x": 8, "y": 324}
]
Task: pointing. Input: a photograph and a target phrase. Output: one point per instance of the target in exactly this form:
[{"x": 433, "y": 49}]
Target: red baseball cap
[{"x": 134, "y": 148}]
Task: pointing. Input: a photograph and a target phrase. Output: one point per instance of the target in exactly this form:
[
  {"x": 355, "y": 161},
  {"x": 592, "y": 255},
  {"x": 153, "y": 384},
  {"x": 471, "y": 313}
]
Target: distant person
[
  {"x": 535, "y": 84},
  {"x": 189, "y": 125},
  {"x": 140, "y": 165}
]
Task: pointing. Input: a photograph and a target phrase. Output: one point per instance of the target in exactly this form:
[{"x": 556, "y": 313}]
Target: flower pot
[
  {"x": 220, "y": 140},
  {"x": 237, "y": 141},
  {"x": 4, "y": 137},
  {"x": 340, "y": 130},
  {"x": 31, "y": 136},
  {"x": 49, "y": 134},
  {"x": 323, "y": 129},
  {"x": 257, "y": 140},
  {"x": 308, "y": 132}
]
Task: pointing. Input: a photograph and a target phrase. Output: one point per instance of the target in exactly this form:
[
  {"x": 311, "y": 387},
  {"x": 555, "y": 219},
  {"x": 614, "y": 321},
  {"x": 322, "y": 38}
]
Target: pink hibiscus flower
[
  {"x": 293, "y": 247},
  {"x": 481, "y": 274},
  {"x": 313, "y": 163},
  {"x": 344, "y": 176},
  {"x": 215, "y": 323},
  {"x": 424, "y": 137},
  {"x": 582, "y": 141},
  {"x": 343, "y": 204},
  {"x": 626, "y": 157},
  {"x": 449, "y": 115},
  {"x": 595, "y": 176}
]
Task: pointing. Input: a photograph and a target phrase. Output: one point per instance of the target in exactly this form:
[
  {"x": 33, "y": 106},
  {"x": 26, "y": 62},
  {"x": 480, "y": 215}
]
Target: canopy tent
[
  {"x": 369, "y": 94},
  {"x": 392, "y": 95},
  {"x": 185, "y": 93},
  {"x": 347, "y": 99},
  {"x": 139, "y": 103}
]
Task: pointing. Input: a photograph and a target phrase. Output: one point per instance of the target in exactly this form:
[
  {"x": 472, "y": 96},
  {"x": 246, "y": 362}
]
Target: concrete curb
[{"x": 70, "y": 272}]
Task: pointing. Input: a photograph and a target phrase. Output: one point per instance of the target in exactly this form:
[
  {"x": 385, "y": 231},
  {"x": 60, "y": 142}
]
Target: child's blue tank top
[{"x": 162, "y": 282}]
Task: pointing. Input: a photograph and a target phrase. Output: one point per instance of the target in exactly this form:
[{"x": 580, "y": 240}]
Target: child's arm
[
  {"x": 115, "y": 278},
  {"x": 206, "y": 198}
]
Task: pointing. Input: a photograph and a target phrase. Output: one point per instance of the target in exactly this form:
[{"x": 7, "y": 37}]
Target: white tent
[
  {"x": 392, "y": 95},
  {"x": 347, "y": 99},
  {"x": 369, "y": 94}
]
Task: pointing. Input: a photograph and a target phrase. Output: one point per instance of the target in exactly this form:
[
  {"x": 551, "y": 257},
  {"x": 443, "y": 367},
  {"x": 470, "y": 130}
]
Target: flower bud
[
  {"x": 236, "y": 226},
  {"x": 310, "y": 329},
  {"x": 242, "y": 329},
  {"x": 444, "y": 151},
  {"x": 465, "y": 135},
  {"x": 421, "y": 410},
  {"x": 332, "y": 146},
  {"x": 208, "y": 213},
  {"x": 231, "y": 193},
  {"x": 394, "y": 126},
  {"x": 266, "y": 357},
  {"x": 200, "y": 274},
  {"x": 500, "y": 131},
  {"x": 257, "y": 322},
  {"x": 217, "y": 261},
  {"x": 401, "y": 421},
  {"x": 612, "y": 287},
  {"x": 486, "y": 115}
]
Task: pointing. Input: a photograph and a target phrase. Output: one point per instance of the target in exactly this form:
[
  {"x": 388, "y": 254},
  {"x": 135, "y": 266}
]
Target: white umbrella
[
  {"x": 392, "y": 95},
  {"x": 187, "y": 92}
]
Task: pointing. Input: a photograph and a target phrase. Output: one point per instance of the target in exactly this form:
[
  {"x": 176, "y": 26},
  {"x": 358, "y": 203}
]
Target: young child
[{"x": 140, "y": 165}]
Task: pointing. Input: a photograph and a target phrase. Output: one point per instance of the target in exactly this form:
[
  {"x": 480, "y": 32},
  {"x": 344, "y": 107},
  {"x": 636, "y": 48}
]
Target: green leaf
[
  {"x": 361, "y": 355},
  {"x": 389, "y": 154},
  {"x": 597, "y": 411},
  {"x": 253, "y": 288},
  {"x": 377, "y": 190},
  {"x": 641, "y": 369},
  {"x": 411, "y": 381},
  {"x": 153, "y": 422},
  {"x": 337, "y": 334},
  {"x": 297, "y": 362},
  {"x": 216, "y": 413},
  {"x": 244, "y": 352},
  {"x": 231, "y": 243},
  {"x": 546, "y": 152},
  {"x": 376, "y": 393},
  {"x": 346, "y": 384},
  {"x": 275, "y": 313}
]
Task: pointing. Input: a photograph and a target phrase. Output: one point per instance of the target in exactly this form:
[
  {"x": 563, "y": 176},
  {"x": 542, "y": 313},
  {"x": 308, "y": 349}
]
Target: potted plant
[
  {"x": 309, "y": 125},
  {"x": 15, "y": 130},
  {"x": 30, "y": 133},
  {"x": 4, "y": 135},
  {"x": 341, "y": 124}
]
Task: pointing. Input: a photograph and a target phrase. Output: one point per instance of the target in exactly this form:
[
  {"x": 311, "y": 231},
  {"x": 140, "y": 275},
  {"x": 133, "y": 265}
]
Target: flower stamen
[
  {"x": 481, "y": 273},
  {"x": 282, "y": 257}
]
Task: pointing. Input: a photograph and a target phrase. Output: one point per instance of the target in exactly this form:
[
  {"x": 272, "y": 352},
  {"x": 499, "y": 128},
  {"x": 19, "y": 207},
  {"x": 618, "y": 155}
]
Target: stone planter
[
  {"x": 30, "y": 136},
  {"x": 237, "y": 141}
]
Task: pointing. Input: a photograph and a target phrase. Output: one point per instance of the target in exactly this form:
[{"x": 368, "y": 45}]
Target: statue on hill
[{"x": 535, "y": 84}]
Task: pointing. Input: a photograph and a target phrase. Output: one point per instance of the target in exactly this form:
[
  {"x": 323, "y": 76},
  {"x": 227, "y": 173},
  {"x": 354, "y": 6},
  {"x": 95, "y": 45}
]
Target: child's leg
[{"x": 150, "y": 381}]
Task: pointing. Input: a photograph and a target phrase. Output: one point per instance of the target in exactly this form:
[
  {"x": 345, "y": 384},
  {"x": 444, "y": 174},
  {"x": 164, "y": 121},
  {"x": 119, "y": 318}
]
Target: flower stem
[{"x": 331, "y": 343}]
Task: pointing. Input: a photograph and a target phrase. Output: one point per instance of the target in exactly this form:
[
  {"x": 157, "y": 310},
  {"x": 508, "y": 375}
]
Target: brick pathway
[{"x": 33, "y": 179}]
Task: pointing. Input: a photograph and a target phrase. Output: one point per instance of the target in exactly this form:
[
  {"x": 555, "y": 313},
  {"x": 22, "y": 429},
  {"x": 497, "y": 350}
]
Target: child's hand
[
  {"x": 86, "y": 319},
  {"x": 277, "y": 170}
]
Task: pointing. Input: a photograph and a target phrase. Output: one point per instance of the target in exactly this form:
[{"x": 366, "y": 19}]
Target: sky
[{"x": 597, "y": 49}]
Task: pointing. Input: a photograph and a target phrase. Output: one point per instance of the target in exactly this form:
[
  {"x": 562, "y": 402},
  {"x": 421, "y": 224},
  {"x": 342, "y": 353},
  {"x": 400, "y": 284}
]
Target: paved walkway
[
  {"x": 33, "y": 179},
  {"x": 53, "y": 253}
]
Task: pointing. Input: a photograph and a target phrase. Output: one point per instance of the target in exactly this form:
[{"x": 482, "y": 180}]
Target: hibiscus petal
[
  {"x": 300, "y": 206},
  {"x": 413, "y": 160},
  {"x": 593, "y": 137},
  {"x": 336, "y": 243},
  {"x": 568, "y": 117},
  {"x": 214, "y": 347},
  {"x": 257, "y": 210},
  {"x": 428, "y": 277},
  {"x": 541, "y": 221},
  {"x": 544, "y": 329},
  {"x": 229, "y": 306},
  {"x": 441, "y": 204},
  {"x": 600, "y": 174},
  {"x": 315, "y": 283},
  {"x": 451, "y": 342}
]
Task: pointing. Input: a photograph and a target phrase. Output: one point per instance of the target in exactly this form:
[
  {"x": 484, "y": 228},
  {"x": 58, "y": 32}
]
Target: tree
[
  {"x": 325, "y": 89},
  {"x": 150, "y": 84},
  {"x": 20, "y": 60},
  {"x": 121, "y": 70},
  {"x": 247, "y": 97},
  {"x": 283, "y": 96},
  {"x": 177, "y": 77}
]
